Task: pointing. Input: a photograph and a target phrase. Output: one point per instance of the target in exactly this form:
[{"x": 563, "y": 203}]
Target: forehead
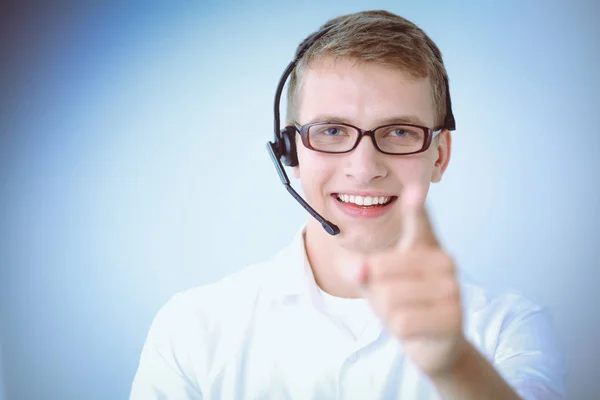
[{"x": 365, "y": 94}]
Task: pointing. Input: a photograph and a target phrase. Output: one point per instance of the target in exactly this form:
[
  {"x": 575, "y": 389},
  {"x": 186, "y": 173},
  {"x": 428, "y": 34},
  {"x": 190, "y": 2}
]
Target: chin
[{"x": 365, "y": 239}]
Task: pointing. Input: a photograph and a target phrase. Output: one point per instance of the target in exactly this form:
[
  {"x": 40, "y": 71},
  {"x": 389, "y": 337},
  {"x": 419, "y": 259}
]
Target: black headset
[
  {"x": 283, "y": 148},
  {"x": 285, "y": 139}
]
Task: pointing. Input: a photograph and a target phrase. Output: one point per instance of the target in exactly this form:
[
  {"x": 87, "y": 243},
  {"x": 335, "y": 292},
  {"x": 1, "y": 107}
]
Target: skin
[{"x": 394, "y": 261}]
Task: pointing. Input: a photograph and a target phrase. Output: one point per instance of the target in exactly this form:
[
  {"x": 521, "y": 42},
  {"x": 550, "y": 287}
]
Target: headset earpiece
[{"x": 289, "y": 156}]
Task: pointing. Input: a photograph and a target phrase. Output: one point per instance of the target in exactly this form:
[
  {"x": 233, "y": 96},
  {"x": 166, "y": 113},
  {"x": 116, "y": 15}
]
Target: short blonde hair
[{"x": 376, "y": 37}]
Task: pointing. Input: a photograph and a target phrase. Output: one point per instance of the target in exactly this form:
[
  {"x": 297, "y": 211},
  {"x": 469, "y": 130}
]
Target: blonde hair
[{"x": 376, "y": 37}]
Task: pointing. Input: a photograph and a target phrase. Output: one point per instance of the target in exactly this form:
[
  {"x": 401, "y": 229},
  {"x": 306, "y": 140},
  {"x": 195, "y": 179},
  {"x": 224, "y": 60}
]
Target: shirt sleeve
[
  {"x": 165, "y": 369},
  {"x": 529, "y": 358}
]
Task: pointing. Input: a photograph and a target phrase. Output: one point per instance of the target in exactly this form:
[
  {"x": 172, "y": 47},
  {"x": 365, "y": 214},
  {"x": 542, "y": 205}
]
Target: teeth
[{"x": 363, "y": 200}]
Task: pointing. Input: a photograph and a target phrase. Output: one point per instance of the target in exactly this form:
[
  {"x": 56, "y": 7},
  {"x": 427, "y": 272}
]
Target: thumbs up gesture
[{"x": 413, "y": 288}]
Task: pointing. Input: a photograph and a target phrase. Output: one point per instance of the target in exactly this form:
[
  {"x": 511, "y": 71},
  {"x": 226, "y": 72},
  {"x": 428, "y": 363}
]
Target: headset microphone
[{"x": 329, "y": 227}]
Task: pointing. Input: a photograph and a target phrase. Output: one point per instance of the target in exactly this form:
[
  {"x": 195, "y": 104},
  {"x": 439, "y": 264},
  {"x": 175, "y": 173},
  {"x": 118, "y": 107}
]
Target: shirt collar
[{"x": 294, "y": 281}]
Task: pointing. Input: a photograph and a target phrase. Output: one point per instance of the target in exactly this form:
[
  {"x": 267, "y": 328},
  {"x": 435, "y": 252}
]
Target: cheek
[
  {"x": 308, "y": 161},
  {"x": 417, "y": 169},
  {"x": 414, "y": 176},
  {"x": 314, "y": 169}
]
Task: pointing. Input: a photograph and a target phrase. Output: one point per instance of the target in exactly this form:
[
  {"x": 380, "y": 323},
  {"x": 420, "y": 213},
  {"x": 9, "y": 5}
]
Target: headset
[{"x": 283, "y": 148}]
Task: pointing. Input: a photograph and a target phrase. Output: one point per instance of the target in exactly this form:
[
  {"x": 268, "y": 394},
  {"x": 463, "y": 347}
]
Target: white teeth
[{"x": 363, "y": 200}]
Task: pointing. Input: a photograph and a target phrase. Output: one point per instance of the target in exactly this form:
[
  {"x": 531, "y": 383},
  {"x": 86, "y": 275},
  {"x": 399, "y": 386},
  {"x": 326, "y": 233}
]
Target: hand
[{"x": 414, "y": 290}]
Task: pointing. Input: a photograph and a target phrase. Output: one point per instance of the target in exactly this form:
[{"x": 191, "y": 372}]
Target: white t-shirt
[
  {"x": 353, "y": 315},
  {"x": 269, "y": 332}
]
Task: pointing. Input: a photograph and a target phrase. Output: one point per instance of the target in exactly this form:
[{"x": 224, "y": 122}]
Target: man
[{"x": 375, "y": 311}]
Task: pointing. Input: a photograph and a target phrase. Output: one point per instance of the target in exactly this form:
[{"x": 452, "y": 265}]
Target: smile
[
  {"x": 365, "y": 201},
  {"x": 357, "y": 206}
]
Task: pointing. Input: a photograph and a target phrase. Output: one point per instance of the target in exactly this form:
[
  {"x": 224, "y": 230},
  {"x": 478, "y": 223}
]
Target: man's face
[{"x": 367, "y": 96}]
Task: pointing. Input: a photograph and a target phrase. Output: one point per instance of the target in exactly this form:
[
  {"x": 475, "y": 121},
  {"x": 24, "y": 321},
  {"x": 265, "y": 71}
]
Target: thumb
[{"x": 416, "y": 229}]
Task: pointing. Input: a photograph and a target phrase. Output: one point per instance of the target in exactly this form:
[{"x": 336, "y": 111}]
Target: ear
[
  {"x": 296, "y": 169},
  {"x": 442, "y": 154}
]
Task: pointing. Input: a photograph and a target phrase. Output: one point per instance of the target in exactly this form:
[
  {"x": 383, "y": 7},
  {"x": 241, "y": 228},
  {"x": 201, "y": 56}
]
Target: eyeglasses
[{"x": 395, "y": 139}]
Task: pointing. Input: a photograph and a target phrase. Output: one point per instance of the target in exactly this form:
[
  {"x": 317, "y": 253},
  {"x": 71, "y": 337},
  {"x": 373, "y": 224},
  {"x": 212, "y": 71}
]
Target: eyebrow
[{"x": 406, "y": 119}]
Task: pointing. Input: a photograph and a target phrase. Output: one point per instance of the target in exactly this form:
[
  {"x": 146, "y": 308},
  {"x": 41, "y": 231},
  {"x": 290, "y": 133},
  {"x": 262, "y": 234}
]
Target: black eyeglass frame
[{"x": 303, "y": 130}]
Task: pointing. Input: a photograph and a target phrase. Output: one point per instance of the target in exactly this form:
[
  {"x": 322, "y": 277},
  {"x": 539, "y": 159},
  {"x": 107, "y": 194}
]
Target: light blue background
[{"x": 133, "y": 166}]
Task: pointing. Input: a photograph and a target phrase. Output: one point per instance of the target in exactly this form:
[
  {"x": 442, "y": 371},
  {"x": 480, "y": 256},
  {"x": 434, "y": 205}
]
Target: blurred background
[{"x": 133, "y": 166}]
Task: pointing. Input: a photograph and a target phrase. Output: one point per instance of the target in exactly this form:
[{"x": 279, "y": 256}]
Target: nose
[{"x": 365, "y": 163}]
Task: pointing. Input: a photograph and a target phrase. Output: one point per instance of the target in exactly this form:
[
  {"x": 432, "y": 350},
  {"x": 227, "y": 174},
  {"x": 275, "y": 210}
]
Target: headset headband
[{"x": 449, "y": 121}]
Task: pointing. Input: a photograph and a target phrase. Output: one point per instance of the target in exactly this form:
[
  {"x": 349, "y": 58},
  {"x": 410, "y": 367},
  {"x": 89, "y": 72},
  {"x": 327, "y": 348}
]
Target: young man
[{"x": 375, "y": 311}]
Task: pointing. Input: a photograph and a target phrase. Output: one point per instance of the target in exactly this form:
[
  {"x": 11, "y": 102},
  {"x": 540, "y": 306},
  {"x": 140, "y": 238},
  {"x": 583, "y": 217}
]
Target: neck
[{"x": 327, "y": 259}]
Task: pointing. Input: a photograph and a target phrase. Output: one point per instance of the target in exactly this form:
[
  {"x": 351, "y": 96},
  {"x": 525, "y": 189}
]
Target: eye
[
  {"x": 332, "y": 131},
  {"x": 400, "y": 132}
]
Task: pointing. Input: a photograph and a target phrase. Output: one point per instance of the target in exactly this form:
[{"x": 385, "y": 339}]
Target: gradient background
[{"x": 133, "y": 166}]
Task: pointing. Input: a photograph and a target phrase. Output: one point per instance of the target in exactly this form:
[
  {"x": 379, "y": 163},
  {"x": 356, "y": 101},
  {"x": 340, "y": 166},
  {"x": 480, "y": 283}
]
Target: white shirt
[{"x": 269, "y": 332}]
